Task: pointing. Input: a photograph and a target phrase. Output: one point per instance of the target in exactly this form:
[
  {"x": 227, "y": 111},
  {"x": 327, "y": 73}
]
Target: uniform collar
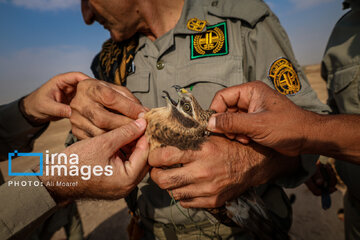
[
  {"x": 191, "y": 9},
  {"x": 142, "y": 42}
]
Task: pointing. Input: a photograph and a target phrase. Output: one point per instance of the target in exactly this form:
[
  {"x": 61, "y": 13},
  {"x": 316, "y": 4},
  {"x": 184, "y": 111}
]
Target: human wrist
[
  {"x": 261, "y": 161},
  {"x": 312, "y": 132},
  {"x": 28, "y": 113}
]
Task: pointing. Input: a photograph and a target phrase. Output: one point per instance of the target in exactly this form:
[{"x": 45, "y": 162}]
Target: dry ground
[{"x": 108, "y": 219}]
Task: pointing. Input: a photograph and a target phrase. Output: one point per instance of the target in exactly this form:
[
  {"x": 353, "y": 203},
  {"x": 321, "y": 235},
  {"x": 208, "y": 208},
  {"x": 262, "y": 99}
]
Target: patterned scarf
[{"x": 114, "y": 62}]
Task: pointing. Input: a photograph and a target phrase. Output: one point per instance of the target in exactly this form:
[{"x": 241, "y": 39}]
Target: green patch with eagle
[{"x": 213, "y": 42}]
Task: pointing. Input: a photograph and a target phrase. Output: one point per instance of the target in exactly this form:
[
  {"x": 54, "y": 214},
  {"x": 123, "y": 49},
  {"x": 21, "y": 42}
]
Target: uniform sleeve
[
  {"x": 23, "y": 208},
  {"x": 16, "y": 133},
  {"x": 263, "y": 45}
]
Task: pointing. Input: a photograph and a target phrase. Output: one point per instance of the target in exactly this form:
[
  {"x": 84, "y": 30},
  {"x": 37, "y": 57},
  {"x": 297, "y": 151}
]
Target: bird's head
[{"x": 187, "y": 106}]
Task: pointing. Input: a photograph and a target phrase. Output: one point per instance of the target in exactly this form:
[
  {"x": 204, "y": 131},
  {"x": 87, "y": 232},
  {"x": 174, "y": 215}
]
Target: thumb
[
  {"x": 235, "y": 123},
  {"x": 58, "y": 110},
  {"x": 137, "y": 164},
  {"x": 117, "y": 138},
  {"x": 70, "y": 79}
]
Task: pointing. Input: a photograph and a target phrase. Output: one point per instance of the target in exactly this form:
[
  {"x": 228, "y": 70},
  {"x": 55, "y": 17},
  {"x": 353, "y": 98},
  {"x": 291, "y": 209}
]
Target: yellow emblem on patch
[
  {"x": 196, "y": 24},
  {"x": 284, "y": 77},
  {"x": 213, "y": 42}
]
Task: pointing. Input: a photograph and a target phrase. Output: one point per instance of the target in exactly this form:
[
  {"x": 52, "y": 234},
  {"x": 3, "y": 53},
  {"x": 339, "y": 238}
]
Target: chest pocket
[
  {"x": 139, "y": 84},
  {"x": 344, "y": 85},
  {"x": 207, "y": 75},
  {"x": 204, "y": 77}
]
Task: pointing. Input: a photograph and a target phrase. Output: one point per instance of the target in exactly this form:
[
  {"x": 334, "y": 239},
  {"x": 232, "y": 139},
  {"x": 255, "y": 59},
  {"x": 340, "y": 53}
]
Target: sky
[{"x": 42, "y": 38}]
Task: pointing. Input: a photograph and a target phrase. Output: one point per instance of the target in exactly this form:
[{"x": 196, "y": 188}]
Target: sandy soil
[{"x": 108, "y": 219}]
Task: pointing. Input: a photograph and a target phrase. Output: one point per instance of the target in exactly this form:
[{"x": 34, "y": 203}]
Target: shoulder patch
[
  {"x": 284, "y": 77},
  {"x": 213, "y": 42},
  {"x": 196, "y": 24}
]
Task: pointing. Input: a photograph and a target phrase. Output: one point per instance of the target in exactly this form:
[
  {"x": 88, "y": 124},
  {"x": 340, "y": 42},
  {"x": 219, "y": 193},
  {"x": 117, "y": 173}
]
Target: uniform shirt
[
  {"x": 16, "y": 133},
  {"x": 255, "y": 41},
  {"x": 341, "y": 70},
  {"x": 22, "y": 208}
]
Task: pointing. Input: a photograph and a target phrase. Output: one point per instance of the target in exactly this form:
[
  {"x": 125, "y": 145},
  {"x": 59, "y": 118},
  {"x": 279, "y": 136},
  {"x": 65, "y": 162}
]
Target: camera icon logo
[{"x": 15, "y": 154}]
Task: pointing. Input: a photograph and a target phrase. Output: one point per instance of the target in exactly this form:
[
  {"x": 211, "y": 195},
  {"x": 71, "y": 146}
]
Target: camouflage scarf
[{"x": 114, "y": 62}]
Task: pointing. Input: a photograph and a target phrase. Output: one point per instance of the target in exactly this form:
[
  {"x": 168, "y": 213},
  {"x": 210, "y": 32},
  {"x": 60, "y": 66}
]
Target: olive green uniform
[
  {"x": 25, "y": 209},
  {"x": 255, "y": 39},
  {"x": 341, "y": 70}
]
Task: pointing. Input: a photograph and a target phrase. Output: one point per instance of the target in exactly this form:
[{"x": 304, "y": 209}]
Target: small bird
[{"x": 182, "y": 124}]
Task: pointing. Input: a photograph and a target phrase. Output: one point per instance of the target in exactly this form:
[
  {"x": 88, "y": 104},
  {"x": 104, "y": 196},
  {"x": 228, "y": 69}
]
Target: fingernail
[
  {"x": 212, "y": 123},
  {"x": 140, "y": 123},
  {"x": 141, "y": 115}
]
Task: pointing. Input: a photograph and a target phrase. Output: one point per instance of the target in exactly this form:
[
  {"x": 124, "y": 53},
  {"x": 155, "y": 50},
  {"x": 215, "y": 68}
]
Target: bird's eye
[{"x": 187, "y": 107}]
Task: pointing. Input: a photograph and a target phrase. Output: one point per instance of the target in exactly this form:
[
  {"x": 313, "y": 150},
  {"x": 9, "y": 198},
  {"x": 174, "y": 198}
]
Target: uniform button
[
  {"x": 214, "y": 3},
  {"x": 160, "y": 65}
]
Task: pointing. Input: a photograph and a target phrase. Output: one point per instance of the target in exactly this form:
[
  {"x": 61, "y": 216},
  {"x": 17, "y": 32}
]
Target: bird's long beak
[
  {"x": 179, "y": 89},
  {"x": 168, "y": 98}
]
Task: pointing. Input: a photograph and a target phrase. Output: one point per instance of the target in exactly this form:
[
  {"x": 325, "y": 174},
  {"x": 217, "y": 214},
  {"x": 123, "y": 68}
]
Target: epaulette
[{"x": 251, "y": 11}]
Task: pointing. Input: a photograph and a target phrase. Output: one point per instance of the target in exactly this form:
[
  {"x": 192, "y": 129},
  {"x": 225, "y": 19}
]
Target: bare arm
[
  {"x": 272, "y": 120},
  {"x": 335, "y": 136}
]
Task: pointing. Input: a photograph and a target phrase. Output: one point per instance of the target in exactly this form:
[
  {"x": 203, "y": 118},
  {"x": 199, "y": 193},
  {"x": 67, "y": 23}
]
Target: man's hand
[
  {"x": 219, "y": 172},
  {"x": 51, "y": 100},
  {"x": 323, "y": 181},
  {"x": 103, "y": 150},
  {"x": 253, "y": 110},
  {"x": 99, "y": 107}
]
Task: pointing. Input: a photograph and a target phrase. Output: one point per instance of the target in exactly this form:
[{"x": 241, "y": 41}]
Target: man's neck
[{"x": 160, "y": 16}]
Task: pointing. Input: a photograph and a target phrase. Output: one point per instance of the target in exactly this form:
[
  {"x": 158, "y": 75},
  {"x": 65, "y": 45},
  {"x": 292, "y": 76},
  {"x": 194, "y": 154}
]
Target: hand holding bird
[{"x": 210, "y": 171}]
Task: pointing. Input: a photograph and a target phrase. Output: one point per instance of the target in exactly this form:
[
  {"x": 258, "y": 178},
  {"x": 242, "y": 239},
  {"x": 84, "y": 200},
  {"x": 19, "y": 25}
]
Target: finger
[
  {"x": 124, "y": 91},
  {"x": 56, "y": 109},
  {"x": 100, "y": 117},
  {"x": 122, "y": 136},
  {"x": 138, "y": 159},
  {"x": 230, "y": 135},
  {"x": 82, "y": 123},
  {"x": 236, "y": 123},
  {"x": 70, "y": 78},
  {"x": 171, "y": 178},
  {"x": 112, "y": 99},
  {"x": 169, "y": 156},
  {"x": 313, "y": 188},
  {"x": 80, "y": 134},
  {"x": 128, "y": 149},
  {"x": 332, "y": 175},
  {"x": 236, "y": 96},
  {"x": 104, "y": 119},
  {"x": 243, "y": 139},
  {"x": 201, "y": 202},
  {"x": 67, "y": 82},
  {"x": 319, "y": 181},
  {"x": 188, "y": 192}
]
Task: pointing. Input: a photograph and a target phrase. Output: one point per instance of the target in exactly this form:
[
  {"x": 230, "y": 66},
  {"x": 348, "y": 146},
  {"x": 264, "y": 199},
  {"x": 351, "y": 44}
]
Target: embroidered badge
[
  {"x": 284, "y": 77},
  {"x": 213, "y": 42},
  {"x": 196, "y": 24}
]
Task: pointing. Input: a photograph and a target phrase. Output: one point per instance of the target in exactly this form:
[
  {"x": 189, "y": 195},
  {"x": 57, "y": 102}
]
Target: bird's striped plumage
[{"x": 182, "y": 124}]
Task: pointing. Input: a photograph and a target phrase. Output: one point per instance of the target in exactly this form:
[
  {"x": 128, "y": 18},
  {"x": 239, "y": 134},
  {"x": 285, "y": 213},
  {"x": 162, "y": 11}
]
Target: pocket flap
[
  {"x": 139, "y": 83},
  {"x": 342, "y": 78}
]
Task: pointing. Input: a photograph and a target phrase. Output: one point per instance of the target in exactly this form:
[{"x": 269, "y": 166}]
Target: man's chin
[{"x": 116, "y": 36}]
